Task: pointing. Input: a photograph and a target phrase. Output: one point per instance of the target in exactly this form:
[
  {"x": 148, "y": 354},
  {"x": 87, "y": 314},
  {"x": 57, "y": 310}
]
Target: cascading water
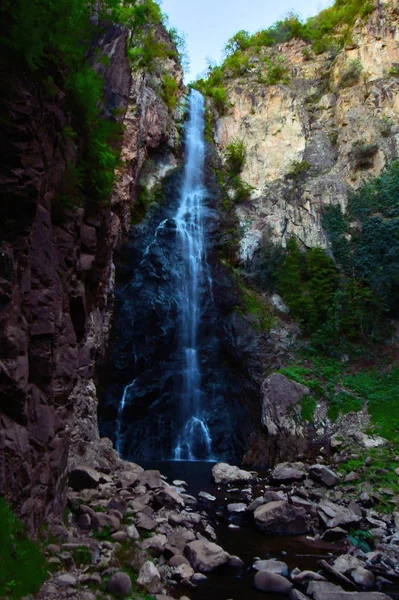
[
  {"x": 173, "y": 388},
  {"x": 195, "y": 436}
]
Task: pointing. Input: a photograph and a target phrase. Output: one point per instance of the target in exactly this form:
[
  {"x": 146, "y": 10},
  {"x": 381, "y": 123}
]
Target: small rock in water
[
  {"x": 179, "y": 483},
  {"x": 236, "y": 562},
  {"x": 237, "y": 508},
  {"x": 225, "y": 473},
  {"x": 206, "y": 496},
  {"x": 272, "y": 566},
  {"x": 232, "y": 526}
]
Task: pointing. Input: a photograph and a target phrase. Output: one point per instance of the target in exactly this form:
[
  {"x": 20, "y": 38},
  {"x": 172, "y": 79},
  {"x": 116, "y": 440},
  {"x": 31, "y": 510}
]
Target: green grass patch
[
  {"x": 308, "y": 408},
  {"x": 23, "y": 568},
  {"x": 344, "y": 403},
  {"x": 381, "y": 390}
]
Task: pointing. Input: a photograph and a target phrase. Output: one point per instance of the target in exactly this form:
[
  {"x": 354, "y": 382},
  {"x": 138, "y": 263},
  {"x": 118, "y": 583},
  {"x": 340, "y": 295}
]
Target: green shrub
[
  {"x": 298, "y": 168},
  {"x": 344, "y": 403},
  {"x": 308, "y": 408},
  {"x": 351, "y": 74},
  {"x": 23, "y": 568},
  {"x": 235, "y": 154},
  {"x": 170, "y": 90},
  {"x": 307, "y": 282}
]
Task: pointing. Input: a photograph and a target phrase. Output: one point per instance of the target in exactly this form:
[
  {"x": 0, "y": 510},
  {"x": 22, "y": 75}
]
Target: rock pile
[{"x": 131, "y": 531}]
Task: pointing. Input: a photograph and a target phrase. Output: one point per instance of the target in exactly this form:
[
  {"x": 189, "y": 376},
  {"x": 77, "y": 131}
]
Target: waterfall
[
  {"x": 118, "y": 431},
  {"x": 194, "y": 440}
]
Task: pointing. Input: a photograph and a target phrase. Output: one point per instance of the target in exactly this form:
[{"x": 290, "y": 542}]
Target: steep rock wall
[
  {"x": 313, "y": 140},
  {"x": 57, "y": 278}
]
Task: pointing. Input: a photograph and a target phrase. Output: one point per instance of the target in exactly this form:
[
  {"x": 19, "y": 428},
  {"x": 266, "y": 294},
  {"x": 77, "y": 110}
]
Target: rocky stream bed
[{"x": 128, "y": 532}]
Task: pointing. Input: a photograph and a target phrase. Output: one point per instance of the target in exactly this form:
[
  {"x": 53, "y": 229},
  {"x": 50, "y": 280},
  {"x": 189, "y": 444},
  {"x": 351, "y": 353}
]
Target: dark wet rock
[
  {"x": 255, "y": 504},
  {"x": 272, "y": 496},
  {"x": 235, "y": 562},
  {"x": 336, "y": 533},
  {"x": 205, "y": 556},
  {"x": 281, "y": 518},
  {"x": 270, "y": 582},
  {"x": 324, "y": 475},
  {"x": 155, "y": 545},
  {"x": 302, "y": 577},
  {"x": 198, "y": 578},
  {"x": 178, "y": 560},
  {"x": 120, "y": 584},
  {"x": 272, "y": 566},
  {"x": 225, "y": 473},
  {"x": 287, "y": 473},
  {"x": 329, "y": 591},
  {"x": 84, "y": 477}
]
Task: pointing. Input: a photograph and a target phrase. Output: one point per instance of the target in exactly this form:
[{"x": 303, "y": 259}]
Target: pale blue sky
[{"x": 208, "y": 24}]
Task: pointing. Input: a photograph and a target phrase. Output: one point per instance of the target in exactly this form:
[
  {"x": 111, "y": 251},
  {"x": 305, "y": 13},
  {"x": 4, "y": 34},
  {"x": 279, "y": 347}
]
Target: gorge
[{"x": 199, "y": 276}]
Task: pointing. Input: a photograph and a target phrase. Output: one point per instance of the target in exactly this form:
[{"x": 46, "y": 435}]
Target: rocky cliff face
[
  {"x": 57, "y": 278},
  {"x": 311, "y": 141}
]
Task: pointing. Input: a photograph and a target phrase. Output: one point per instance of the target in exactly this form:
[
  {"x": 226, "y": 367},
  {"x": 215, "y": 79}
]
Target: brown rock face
[{"x": 56, "y": 282}]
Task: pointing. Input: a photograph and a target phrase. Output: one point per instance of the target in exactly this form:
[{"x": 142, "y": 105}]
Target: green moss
[
  {"x": 298, "y": 169},
  {"x": 308, "y": 408},
  {"x": 381, "y": 392},
  {"x": 344, "y": 403},
  {"x": 235, "y": 154},
  {"x": 170, "y": 91},
  {"x": 257, "y": 306},
  {"x": 351, "y": 75},
  {"x": 23, "y": 568},
  {"x": 82, "y": 556}
]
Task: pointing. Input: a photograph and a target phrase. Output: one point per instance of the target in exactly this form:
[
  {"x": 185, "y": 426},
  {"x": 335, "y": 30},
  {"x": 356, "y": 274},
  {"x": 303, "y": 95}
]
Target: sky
[{"x": 208, "y": 24}]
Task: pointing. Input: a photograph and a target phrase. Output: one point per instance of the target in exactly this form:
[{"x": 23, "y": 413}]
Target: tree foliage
[{"x": 56, "y": 42}]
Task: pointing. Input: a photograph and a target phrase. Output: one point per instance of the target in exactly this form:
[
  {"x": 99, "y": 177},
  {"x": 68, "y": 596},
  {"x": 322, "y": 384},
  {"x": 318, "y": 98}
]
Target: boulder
[
  {"x": 84, "y": 477},
  {"x": 270, "y": 582},
  {"x": 281, "y": 518},
  {"x": 324, "y": 475},
  {"x": 236, "y": 562},
  {"x": 363, "y": 577},
  {"x": 281, "y": 400},
  {"x": 303, "y": 577},
  {"x": 287, "y": 473},
  {"x": 178, "y": 560},
  {"x": 120, "y": 584},
  {"x": 150, "y": 479},
  {"x": 319, "y": 590},
  {"x": 155, "y": 545},
  {"x": 333, "y": 515},
  {"x": 346, "y": 562},
  {"x": 272, "y": 566},
  {"x": 149, "y": 578},
  {"x": 205, "y": 556},
  {"x": 225, "y": 473},
  {"x": 66, "y": 580}
]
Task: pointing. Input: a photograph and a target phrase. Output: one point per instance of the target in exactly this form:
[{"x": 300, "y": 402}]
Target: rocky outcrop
[
  {"x": 311, "y": 141},
  {"x": 57, "y": 278}
]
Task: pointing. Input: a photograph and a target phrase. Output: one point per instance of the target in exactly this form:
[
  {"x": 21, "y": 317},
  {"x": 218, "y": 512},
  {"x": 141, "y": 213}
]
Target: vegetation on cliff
[
  {"x": 56, "y": 43},
  {"x": 328, "y": 31},
  {"x": 23, "y": 568}
]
